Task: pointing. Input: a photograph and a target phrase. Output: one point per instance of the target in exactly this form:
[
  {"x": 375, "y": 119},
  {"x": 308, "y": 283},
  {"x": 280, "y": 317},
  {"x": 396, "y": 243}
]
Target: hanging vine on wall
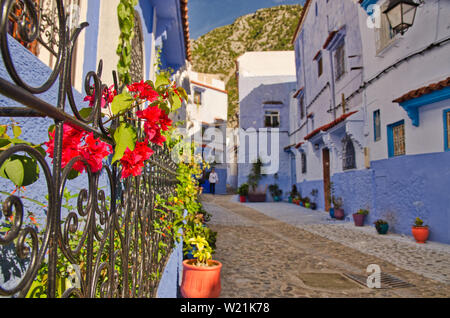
[{"x": 125, "y": 14}]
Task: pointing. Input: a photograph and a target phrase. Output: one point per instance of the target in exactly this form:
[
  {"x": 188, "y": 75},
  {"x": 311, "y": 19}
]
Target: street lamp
[{"x": 401, "y": 14}]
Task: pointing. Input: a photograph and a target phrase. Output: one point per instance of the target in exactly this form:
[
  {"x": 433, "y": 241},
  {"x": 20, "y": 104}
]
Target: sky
[{"x": 206, "y": 15}]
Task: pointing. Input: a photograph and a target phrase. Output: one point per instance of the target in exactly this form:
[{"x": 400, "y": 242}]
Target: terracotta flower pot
[
  {"x": 339, "y": 214},
  {"x": 242, "y": 199},
  {"x": 421, "y": 233},
  {"x": 201, "y": 282},
  {"x": 359, "y": 219}
]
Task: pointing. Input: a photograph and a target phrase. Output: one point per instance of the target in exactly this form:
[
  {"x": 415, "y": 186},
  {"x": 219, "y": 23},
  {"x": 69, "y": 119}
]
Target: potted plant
[
  {"x": 243, "y": 192},
  {"x": 382, "y": 226},
  {"x": 293, "y": 194},
  {"x": 201, "y": 276},
  {"x": 420, "y": 231},
  {"x": 338, "y": 211},
  {"x": 359, "y": 217},
  {"x": 314, "y": 194},
  {"x": 307, "y": 202},
  {"x": 275, "y": 192}
]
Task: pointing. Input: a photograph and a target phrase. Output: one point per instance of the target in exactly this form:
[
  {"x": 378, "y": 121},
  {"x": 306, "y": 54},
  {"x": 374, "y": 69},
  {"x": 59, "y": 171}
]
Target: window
[
  {"x": 319, "y": 65},
  {"x": 301, "y": 105},
  {"x": 377, "y": 125},
  {"x": 396, "y": 139},
  {"x": 447, "y": 129},
  {"x": 348, "y": 156},
  {"x": 384, "y": 34},
  {"x": 272, "y": 119},
  {"x": 339, "y": 58},
  {"x": 304, "y": 163},
  {"x": 197, "y": 98}
]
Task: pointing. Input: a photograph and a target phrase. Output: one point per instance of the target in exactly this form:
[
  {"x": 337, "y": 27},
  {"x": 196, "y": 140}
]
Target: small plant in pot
[
  {"x": 201, "y": 276},
  {"x": 307, "y": 202},
  {"x": 338, "y": 211},
  {"x": 359, "y": 217},
  {"x": 275, "y": 192},
  {"x": 293, "y": 194},
  {"x": 243, "y": 192},
  {"x": 420, "y": 231},
  {"x": 381, "y": 226}
]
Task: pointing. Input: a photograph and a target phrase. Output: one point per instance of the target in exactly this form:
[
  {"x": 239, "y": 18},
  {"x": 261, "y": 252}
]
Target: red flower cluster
[
  {"x": 156, "y": 120},
  {"x": 107, "y": 97},
  {"x": 144, "y": 91},
  {"x": 78, "y": 143},
  {"x": 133, "y": 161}
]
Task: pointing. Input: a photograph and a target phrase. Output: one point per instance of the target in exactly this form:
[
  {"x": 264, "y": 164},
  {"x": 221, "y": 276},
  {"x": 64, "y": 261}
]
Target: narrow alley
[{"x": 266, "y": 257}]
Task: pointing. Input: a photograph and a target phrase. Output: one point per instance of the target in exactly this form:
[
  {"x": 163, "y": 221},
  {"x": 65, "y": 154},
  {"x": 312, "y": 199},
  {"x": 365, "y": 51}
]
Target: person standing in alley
[{"x": 213, "y": 179}]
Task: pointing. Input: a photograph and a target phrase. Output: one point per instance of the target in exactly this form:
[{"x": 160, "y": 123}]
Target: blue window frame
[
  {"x": 377, "y": 125},
  {"x": 447, "y": 129},
  {"x": 396, "y": 139}
]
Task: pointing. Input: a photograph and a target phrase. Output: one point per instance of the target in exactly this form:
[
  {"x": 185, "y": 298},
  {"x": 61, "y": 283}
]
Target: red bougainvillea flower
[
  {"x": 133, "y": 161},
  {"x": 156, "y": 120},
  {"x": 107, "y": 97},
  {"x": 78, "y": 143},
  {"x": 94, "y": 151},
  {"x": 143, "y": 91}
]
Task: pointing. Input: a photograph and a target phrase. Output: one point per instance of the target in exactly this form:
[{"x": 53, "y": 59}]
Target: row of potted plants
[
  {"x": 296, "y": 198},
  {"x": 420, "y": 231}
]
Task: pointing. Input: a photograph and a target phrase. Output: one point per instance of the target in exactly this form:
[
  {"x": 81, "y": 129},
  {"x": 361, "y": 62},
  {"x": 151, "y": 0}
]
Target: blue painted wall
[
  {"x": 221, "y": 187},
  {"x": 173, "y": 275},
  {"x": 145, "y": 10},
  {"x": 252, "y": 110},
  {"x": 399, "y": 190},
  {"x": 91, "y": 38}
]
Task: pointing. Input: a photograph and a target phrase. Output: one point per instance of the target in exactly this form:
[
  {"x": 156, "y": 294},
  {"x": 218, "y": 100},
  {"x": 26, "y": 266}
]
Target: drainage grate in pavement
[
  {"x": 329, "y": 281},
  {"x": 387, "y": 281}
]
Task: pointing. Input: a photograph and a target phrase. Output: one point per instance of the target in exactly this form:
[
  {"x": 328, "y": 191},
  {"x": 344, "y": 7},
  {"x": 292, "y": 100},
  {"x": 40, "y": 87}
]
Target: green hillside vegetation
[{"x": 269, "y": 29}]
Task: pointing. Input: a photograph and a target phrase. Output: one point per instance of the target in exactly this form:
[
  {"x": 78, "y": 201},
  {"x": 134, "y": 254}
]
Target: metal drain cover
[{"x": 387, "y": 281}]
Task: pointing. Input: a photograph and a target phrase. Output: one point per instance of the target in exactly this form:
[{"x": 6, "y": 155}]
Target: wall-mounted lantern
[{"x": 401, "y": 14}]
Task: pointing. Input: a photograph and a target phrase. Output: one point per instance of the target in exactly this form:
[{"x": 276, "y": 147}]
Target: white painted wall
[
  {"x": 431, "y": 25},
  {"x": 108, "y": 39}
]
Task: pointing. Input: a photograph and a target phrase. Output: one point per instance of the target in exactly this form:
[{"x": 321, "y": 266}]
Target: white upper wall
[{"x": 274, "y": 63}]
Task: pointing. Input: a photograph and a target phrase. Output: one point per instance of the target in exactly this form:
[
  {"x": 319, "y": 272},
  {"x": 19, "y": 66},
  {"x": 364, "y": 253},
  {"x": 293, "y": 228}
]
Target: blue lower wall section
[
  {"x": 221, "y": 186},
  {"x": 173, "y": 273},
  {"x": 397, "y": 190}
]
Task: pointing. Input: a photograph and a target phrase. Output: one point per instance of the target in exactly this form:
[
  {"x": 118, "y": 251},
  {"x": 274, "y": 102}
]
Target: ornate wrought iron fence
[{"x": 112, "y": 240}]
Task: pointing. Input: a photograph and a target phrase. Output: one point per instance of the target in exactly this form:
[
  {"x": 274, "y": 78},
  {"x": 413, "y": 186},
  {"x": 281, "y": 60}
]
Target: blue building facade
[
  {"x": 264, "y": 119},
  {"x": 382, "y": 141}
]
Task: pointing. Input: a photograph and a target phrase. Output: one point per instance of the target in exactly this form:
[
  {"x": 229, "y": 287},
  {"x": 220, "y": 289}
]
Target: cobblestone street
[{"x": 274, "y": 250}]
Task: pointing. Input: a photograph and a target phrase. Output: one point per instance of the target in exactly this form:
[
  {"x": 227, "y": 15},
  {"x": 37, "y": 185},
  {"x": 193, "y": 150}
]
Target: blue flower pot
[
  {"x": 332, "y": 213},
  {"x": 382, "y": 229}
]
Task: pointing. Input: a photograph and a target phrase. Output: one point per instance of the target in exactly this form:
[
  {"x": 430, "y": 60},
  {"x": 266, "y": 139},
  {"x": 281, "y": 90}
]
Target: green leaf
[
  {"x": 176, "y": 102},
  {"x": 121, "y": 102},
  {"x": 4, "y": 143},
  {"x": 85, "y": 112},
  {"x": 161, "y": 80},
  {"x": 125, "y": 137},
  {"x": 17, "y": 131},
  {"x": 183, "y": 93},
  {"x": 21, "y": 170},
  {"x": 3, "y": 129}
]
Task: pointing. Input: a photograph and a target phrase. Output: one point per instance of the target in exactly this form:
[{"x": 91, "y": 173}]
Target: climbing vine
[{"x": 125, "y": 14}]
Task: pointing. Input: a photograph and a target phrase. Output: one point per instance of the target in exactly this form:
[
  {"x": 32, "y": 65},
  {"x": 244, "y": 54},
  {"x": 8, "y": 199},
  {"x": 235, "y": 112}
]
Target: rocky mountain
[{"x": 269, "y": 29}]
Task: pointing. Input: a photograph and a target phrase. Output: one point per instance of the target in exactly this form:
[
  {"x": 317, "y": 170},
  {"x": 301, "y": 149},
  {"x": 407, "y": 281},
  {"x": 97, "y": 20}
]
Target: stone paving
[{"x": 276, "y": 250}]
